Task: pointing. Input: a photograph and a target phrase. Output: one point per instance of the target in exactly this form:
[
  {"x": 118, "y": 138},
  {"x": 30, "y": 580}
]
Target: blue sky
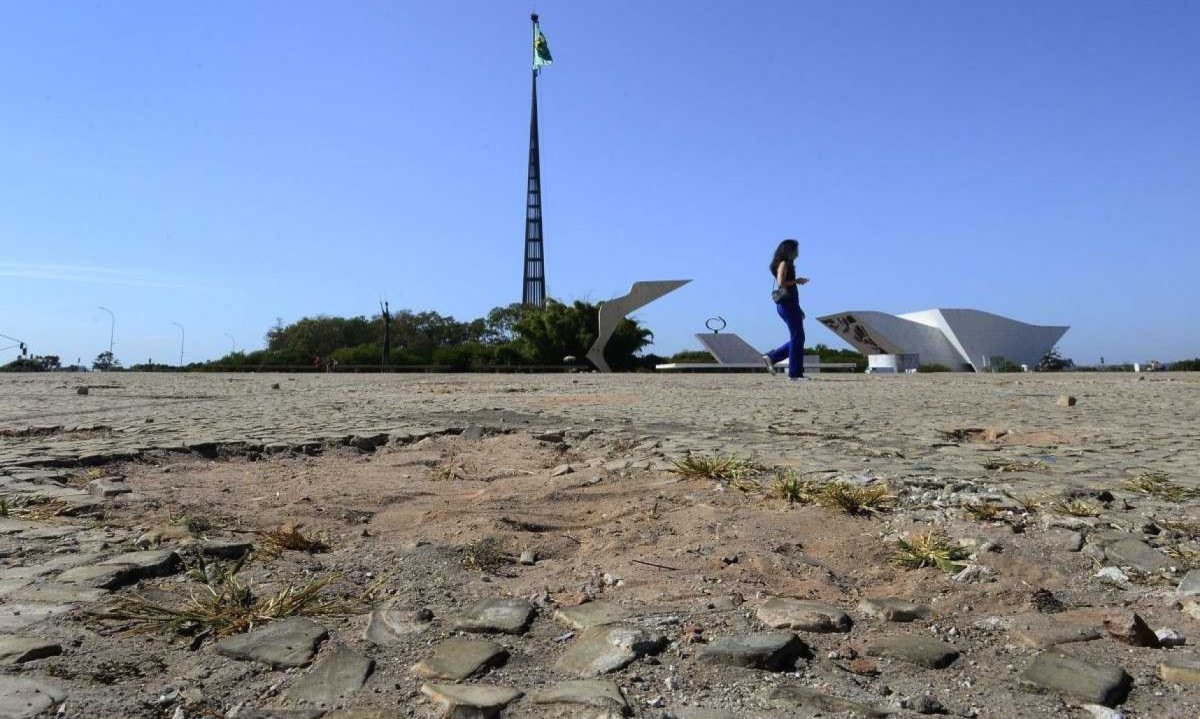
[{"x": 221, "y": 164}]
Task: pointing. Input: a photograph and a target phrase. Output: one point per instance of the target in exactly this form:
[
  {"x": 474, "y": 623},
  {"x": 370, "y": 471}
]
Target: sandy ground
[{"x": 427, "y": 489}]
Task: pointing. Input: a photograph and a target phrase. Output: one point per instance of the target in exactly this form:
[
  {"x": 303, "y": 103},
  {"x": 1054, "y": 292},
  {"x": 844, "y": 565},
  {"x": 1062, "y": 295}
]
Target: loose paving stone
[
  {"x": 44, "y": 534},
  {"x": 1189, "y": 586},
  {"x": 891, "y": 609},
  {"x": 460, "y": 701},
  {"x": 1180, "y": 670},
  {"x": 389, "y": 627},
  {"x": 1052, "y": 634},
  {"x": 289, "y": 643},
  {"x": 8, "y": 586},
  {"x": 773, "y": 651},
  {"x": 597, "y": 693},
  {"x": 282, "y": 714},
  {"x": 22, "y": 698},
  {"x": 459, "y": 658},
  {"x": 604, "y": 649},
  {"x": 1094, "y": 683},
  {"x": 785, "y": 613},
  {"x": 1129, "y": 628},
  {"x": 922, "y": 651},
  {"x": 124, "y": 569},
  {"x": 592, "y": 614},
  {"x": 15, "y": 617},
  {"x": 18, "y": 650},
  {"x": 503, "y": 616},
  {"x": 703, "y": 713},
  {"x": 56, "y": 593},
  {"x": 818, "y": 701},
  {"x": 334, "y": 678},
  {"x": 1139, "y": 555},
  {"x": 108, "y": 487},
  {"x": 225, "y": 548}
]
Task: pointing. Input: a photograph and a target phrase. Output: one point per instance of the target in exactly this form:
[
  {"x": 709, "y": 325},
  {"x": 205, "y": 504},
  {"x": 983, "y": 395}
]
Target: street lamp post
[
  {"x": 112, "y": 328},
  {"x": 232, "y": 343},
  {"x": 181, "y": 335}
]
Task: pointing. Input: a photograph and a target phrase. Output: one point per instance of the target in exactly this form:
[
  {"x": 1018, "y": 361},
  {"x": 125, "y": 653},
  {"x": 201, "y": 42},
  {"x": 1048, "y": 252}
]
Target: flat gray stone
[
  {"x": 101, "y": 576},
  {"x": 50, "y": 566},
  {"x": 1093, "y": 683},
  {"x": 108, "y": 487},
  {"x": 22, "y": 698},
  {"x": 604, "y": 649},
  {"x": 820, "y": 702},
  {"x": 8, "y": 586},
  {"x": 458, "y": 658},
  {"x": 388, "y": 627},
  {"x": 334, "y": 678},
  {"x": 892, "y": 609},
  {"x": 1139, "y": 555},
  {"x": 1189, "y": 586},
  {"x": 470, "y": 701},
  {"x": 225, "y": 548},
  {"x": 289, "y": 643},
  {"x": 785, "y": 613},
  {"x": 703, "y": 713},
  {"x": 1179, "y": 670},
  {"x": 45, "y": 534},
  {"x": 501, "y": 616},
  {"x": 592, "y": 614},
  {"x": 18, "y": 650},
  {"x": 283, "y": 714},
  {"x": 922, "y": 651},
  {"x": 599, "y": 693},
  {"x": 124, "y": 569},
  {"x": 56, "y": 593},
  {"x": 1049, "y": 634},
  {"x": 8, "y": 525},
  {"x": 773, "y": 651},
  {"x": 15, "y": 617}
]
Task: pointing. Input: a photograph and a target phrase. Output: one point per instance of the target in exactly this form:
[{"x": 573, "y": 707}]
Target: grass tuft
[
  {"x": 1076, "y": 508},
  {"x": 983, "y": 511},
  {"x": 34, "y": 507},
  {"x": 929, "y": 549},
  {"x": 1014, "y": 465},
  {"x": 290, "y": 537},
  {"x": 1156, "y": 484},
  {"x": 224, "y": 604},
  {"x": 787, "y": 485},
  {"x": 484, "y": 555},
  {"x": 1189, "y": 529},
  {"x": 855, "y": 500},
  {"x": 1031, "y": 503},
  {"x": 727, "y": 468}
]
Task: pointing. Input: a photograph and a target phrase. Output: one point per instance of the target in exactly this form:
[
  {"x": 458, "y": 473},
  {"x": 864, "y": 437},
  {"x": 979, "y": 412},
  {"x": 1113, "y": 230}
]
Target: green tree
[{"x": 548, "y": 334}]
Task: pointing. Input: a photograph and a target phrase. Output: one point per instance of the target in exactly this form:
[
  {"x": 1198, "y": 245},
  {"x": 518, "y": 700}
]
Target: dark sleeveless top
[{"x": 793, "y": 296}]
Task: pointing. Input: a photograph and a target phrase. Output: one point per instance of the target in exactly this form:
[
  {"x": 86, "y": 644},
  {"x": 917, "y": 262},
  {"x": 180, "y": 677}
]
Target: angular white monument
[{"x": 963, "y": 340}]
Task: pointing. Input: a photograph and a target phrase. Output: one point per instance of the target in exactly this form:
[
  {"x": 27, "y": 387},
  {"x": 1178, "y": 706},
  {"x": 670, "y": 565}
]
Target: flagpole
[{"x": 533, "y": 290}]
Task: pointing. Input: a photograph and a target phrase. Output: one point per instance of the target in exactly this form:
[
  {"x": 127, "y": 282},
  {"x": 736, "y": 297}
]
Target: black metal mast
[{"x": 534, "y": 289}]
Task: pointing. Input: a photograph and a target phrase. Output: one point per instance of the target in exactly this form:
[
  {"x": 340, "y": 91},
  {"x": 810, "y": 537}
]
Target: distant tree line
[{"x": 510, "y": 336}]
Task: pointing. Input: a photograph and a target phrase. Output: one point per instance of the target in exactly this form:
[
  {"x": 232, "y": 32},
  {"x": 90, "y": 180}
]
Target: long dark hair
[{"x": 784, "y": 253}]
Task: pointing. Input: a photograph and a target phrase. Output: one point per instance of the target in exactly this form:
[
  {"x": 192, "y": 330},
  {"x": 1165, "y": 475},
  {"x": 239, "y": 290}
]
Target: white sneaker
[
  {"x": 770, "y": 365},
  {"x": 800, "y": 379}
]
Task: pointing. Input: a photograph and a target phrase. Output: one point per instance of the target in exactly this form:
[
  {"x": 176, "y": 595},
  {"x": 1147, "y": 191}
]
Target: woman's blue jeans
[{"x": 793, "y": 349}]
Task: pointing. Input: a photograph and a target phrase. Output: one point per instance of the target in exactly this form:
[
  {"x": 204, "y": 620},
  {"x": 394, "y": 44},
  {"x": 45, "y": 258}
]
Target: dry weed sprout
[
  {"x": 983, "y": 511},
  {"x": 1076, "y": 508},
  {"x": 728, "y": 468},
  {"x": 289, "y": 537},
  {"x": 1031, "y": 503},
  {"x": 1187, "y": 557},
  {"x": 1013, "y": 465},
  {"x": 1188, "y": 529},
  {"x": 449, "y": 468},
  {"x": 1156, "y": 484},
  {"x": 484, "y": 555},
  {"x": 787, "y": 485},
  {"x": 853, "y": 500},
  {"x": 225, "y": 604},
  {"x": 32, "y": 507},
  {"x": 929, "y": 549}
]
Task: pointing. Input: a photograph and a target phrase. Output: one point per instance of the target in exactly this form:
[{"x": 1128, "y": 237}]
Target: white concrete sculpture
[
  {"x": 614, "y": 310},
  {"x": 963, "y": 340}
]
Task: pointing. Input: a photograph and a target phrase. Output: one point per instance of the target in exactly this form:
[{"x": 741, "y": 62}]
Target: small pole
[
  {"x": 112, "y": 329},
  {"x": 181, "y": 335}
]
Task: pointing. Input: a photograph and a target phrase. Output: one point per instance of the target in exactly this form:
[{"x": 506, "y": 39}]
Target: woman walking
[{"x": 787, "y": 304}]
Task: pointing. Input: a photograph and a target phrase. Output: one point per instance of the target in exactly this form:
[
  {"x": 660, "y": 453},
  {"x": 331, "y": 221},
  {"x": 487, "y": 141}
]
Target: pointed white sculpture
[{"x": 614, "y": 310}]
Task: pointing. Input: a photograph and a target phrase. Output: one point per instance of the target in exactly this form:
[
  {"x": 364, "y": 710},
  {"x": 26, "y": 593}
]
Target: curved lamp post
[{"x": 232, "y": 343}]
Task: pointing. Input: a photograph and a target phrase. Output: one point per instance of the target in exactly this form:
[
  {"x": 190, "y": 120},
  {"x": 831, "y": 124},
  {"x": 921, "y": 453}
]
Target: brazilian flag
[{"x": 541, "y": 50}]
